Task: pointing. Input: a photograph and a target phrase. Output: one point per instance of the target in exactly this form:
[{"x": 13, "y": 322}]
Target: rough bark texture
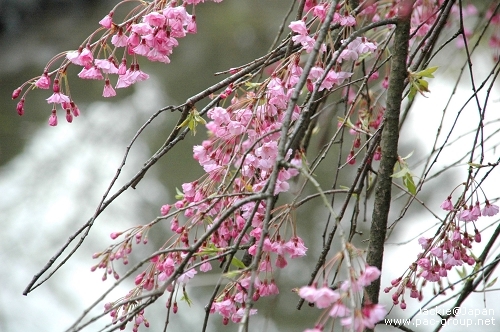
[{"x": 389, "y": 146}]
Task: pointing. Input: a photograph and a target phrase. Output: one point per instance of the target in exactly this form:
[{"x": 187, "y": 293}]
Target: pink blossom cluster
[
  {"x": 153, "y": 35},
  {"x": 241, "y": 153},
  {"x": 238, "y": 157},
  {"x": 452, "y": 247},
  {"x": 338, "y": 305}
]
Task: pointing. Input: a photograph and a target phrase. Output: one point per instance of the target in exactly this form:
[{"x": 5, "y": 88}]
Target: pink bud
[
  {"x": 165, "y": 209},
  {"x": 351, "y": 160},
  {"x": 20, "y": 106},
  {"x": 56, "y": 87},
  {"x": 114, "y": 235},
  {"x": 69, "y": 116},
  {"x": 477, "y": 236},
  {"x": 53, "y": 118},
  {"x": 16, "y": 93}
]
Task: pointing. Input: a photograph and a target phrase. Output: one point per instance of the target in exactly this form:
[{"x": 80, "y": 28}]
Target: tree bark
[{"x": 389, "y": 147}]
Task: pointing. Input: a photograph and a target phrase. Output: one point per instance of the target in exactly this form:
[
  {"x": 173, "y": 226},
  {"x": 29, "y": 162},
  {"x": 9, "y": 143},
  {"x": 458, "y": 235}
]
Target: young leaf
[
  {"x": 426, "y": 72},
  {"x": 186, "y": 298},
  {"x": 491, "y": 283},
  {"x": 237, "y": 263},
  {"x": 401, "y": 173},
  {"x": 410, "y": 184},
  {"x": 179, "y": 194}
]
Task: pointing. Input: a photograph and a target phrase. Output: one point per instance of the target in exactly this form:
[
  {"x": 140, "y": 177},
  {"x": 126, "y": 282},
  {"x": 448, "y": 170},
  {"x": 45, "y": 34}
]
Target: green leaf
[
  {"x": 251, "y": 85},
  {"x": 410, "y": 184},
  {"x": 237, "y": 263},
  {"x": 348, "y": 122},
  {"x": 408, "y": 156},
  {"x": 210, "y": 250},
  {"x": 413, "y": 92},
  {"x": 491, "y": 283},
  {"x": 192, "y": 120},
  {"x": 186, "y": 298},
  {"x": 401, "y": 173},
  {"x": 232, "y": 274},
  {"x": 475, "y": 165},
  {"x": 423, "y": 85},
  {"x": 179, "y": 195},
  {"x": 462, "y": 273},
  {"x": 348, "y": 188},
  {"x": 426, "y": 72}
]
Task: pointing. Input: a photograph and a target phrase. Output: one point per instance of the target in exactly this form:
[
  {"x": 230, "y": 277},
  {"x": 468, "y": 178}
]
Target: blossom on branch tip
[
  {"x": 107, "y": 21},
  {"x": 82, "y": 57},
  {"x": 299, "y": 27},
  {"x": 489, "y": 209},
  {"x": 108, "y": 90},
  {"x": 43, "y": 82},
  {"x": 53, "y": 118},
  {"x": 322, "y": 297},
  {"x": 447, "y": 205},
  {"x": 20, "y": 107},
  {"x": 58, "y": 98}
]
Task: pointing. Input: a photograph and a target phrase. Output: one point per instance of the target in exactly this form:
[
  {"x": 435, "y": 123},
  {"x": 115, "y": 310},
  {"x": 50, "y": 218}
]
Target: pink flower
[
  {"x": 108, "y": 90},
  {"x": 357, "y": 324},
  {"x": 447, "y": 205},
  {"x": 295, "y": 247},
  {"x": 142, "y": 48},
  {"x": 339, "y": 310},
  {"x": 320, "y": 12},
  {"x": 58, "y": 98},
  {"x": 141, "y": 28},
  {"x": 306, "y": 41},
  {"x": 489, "y": 209},
  {"x": 238, "y": 315},
  {"x": 424, "y": 242},
  {"x": 225, "y": 308},
  {"x": 299, "y": 27},
  {"x": 154, "y": 19},
  {"x": 43, "y": 82},
  {"x": 205, "y": 266},
  {"x": 107, "y": 20},
  {"x": 370, "y": 274},
  {"x": 106, "y": 65},
  {"x": 191, "y": 27},
  {"x": 91, "y": 73},
  {"x": 119, "y": 40},
  {"x": 372, "y": 314},
  {"x": 82, "y": 57},
  {"x": 53, "y": 118},
  {"x": 424, "y": 263},
  {"x": 322, "y": 297},
  {"x": 475, "y": 212}
]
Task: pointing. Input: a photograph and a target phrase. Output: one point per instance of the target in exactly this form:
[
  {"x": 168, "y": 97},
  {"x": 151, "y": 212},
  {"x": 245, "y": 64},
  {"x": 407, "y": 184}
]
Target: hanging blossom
[
  {"x": 451, "y": 248},
  {"x": 152, "y": 35},
  {"x": 337, "y": 302}
]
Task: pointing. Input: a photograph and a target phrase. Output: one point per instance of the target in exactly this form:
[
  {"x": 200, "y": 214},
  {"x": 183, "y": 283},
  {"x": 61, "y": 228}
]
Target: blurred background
[{"x": 52, "y": 179}]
